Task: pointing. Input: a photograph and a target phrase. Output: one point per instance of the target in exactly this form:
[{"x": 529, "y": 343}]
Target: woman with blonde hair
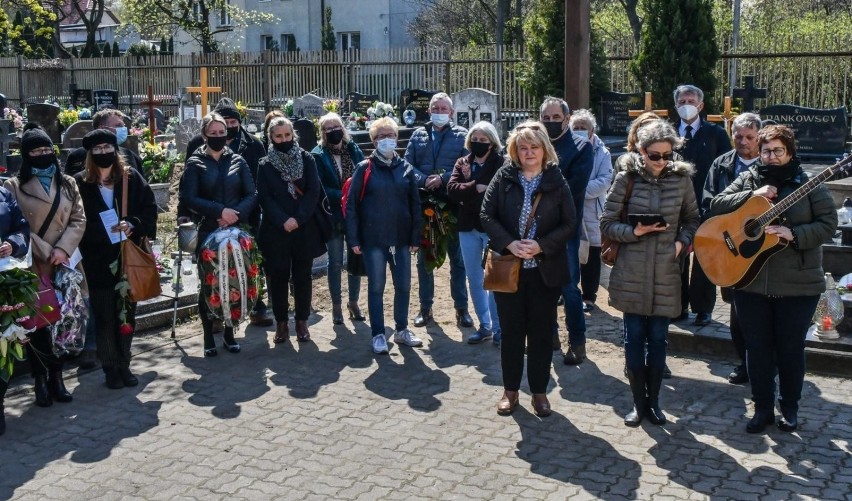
[{"x": 528, "y": 212}]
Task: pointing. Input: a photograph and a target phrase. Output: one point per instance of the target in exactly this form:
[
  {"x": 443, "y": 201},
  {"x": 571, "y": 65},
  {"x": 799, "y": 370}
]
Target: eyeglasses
[
  {"x": 777, "y": 153},
  {"x": 530, "y": 126},
  {"x": 386, "y": 136},
  {"x": 332, "y": 129},
  {"x": 654, "y": 157},
  {"x": 102, "y": 149},
  {"x": 41, "y": 151}
]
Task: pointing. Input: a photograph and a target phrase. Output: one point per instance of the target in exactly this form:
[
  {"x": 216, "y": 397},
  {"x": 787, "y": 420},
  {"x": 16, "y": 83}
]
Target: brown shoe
[
  {"x": 507, "y": 404},
  {"x": 260, "y": 319},
  {"x": 282, "y": 333},
  {"x": 302, "y": 333},
  {"x": 540, "y": 404}
]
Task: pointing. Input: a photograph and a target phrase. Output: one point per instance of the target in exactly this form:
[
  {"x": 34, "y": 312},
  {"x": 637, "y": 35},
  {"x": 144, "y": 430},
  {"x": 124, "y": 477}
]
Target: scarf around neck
[
  {"x": 45, "y": 176},
  {"x": 289, "y": 165},
  {"x": 347, "y": 166}
]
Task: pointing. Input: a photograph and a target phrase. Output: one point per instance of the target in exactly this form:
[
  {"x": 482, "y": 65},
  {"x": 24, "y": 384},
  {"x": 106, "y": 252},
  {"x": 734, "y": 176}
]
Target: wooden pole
[
  {"x": 152, "y": 120},
  {"x": 577, "y": 50}
]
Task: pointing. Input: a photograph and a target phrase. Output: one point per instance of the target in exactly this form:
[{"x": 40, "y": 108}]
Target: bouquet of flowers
[
  {"x": 242, "y": 109},
  {"x": 18, "y": 294},
  {"x": 158, "y": 161},
  {"x": 331, "y": 105},
  {"x": 84, "y": 114},
  {"x": 67, "y": 334},
  {"x": 13, "y": 116},
  {"x": 439, "y": 225},
  {"x": 230, "y": 266},
  {"x": 68, "y": 117},
  {"x": 288, "y": 108},
  {"x": 380, "y": 109},
  {"x": 357, "y": 121}
]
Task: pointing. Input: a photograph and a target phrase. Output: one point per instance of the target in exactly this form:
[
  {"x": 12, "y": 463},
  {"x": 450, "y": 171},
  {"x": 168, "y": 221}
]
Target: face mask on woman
[
  {"x": 386, "y": 147},
  {"x": 216, "y": 143},
  {"x": 103, "y": 160},
  {"x": 479, "y": 149},
  {"x": 43, "y": 161},
  {"x": 283, "y": 146},
  {"x": 334, "y": 137}
]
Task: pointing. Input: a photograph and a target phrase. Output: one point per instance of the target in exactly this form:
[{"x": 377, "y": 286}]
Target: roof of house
[{"x": 70, "y": 17}]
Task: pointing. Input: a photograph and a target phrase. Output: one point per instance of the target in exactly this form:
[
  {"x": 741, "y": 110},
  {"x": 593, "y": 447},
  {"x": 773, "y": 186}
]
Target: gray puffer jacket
[
  {"x": 646, "y": 277},
  {"x": 796, "y": 270}
]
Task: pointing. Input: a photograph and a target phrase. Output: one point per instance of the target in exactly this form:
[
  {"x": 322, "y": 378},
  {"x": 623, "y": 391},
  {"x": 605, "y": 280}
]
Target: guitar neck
[{"x": 800, "y": 193}]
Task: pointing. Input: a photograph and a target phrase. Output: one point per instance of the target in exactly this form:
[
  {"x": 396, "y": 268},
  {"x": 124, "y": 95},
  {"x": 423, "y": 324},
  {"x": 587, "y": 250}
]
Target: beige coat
[{"x": 66, "y": 229}]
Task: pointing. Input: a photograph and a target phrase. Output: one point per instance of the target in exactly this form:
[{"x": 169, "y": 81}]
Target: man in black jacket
[
  {"x": 704, "y": 143},
  {"x": 724, "y": 170},
  {"x": 113, "y": 121}
]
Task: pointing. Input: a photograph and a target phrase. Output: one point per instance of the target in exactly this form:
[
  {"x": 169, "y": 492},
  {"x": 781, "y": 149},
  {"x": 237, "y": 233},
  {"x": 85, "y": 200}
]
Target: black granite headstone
[
  {"x": 82, "y": 98},
  {"x": 358, "y": 103},
  {"x": 417, "y": 100},
  {"x": 614, "y": 119},
  {"x": 46, "y": 115},
  {"x": 106, "y": 98},
  {"x": 819, "y": 132},
  {"x": 2, "y": 103}
]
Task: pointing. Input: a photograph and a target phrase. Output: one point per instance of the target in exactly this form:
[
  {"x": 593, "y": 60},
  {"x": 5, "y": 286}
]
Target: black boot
[
  {"x": 3, "y": 386},
  {"x": 41, "y": 392},
  {"x": 207, "y": 328},
  {"x": 654, "y": 382},
  {"x": 640, "y": 400},
  {"x": 113, "y": 378},
  {"x": 57, "y": 387}
]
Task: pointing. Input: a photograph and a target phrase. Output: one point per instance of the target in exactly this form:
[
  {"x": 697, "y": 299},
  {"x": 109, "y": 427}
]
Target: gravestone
[
  {"x": 47, "y": 116},
  {"x": 614, "y": 119},
  {"x": 819, "y": 132},
  {"x": 106, "y": 98},
  {"x": 73, "y": 137},
  {"x": 474, "y": 105},
  {"x": 254, "y": 120},
  {"x": 417, "y": 100},
  {"x": 82, "y": 98},
  {"x": 358, "y": 103},
  {"x": 6, "y": 136},
  {"x": 185, "y": 131},
  {"x": 308, "y": 106},
  {"x": 159, "y": 118}
]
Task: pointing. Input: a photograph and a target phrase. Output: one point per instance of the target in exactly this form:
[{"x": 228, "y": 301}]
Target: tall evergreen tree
[
  {"x": 74, "y": 51},
  {"x": 164, "y": 47},
  {"x": 328, "y": 41},
  {"x": 107, "y": 50},
  {"x": 678, "y": 45},
  {"x": 115, "y": 50}
]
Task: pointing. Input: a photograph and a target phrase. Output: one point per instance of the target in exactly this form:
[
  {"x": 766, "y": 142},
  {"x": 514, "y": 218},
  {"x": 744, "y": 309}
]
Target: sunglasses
[{"x": 658, "y": 156}]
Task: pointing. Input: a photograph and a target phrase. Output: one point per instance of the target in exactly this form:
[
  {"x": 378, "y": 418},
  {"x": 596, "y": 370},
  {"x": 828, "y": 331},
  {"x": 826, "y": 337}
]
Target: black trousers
[
  {"x": 113, "y": 348},
  {"x": 702, "y": 292},
  {"x": 40, "y": 353},
  {"x": 289, "y": 260},
  {"x": 526, "y": 318},
  {"x": 590, "y": 275},
  {"x": 736, "y": 329}
]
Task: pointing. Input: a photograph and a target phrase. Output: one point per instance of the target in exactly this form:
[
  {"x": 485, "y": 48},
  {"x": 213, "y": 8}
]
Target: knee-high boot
[
  {"x": 655, "y": 381},
  {"x": 56, "y": 385},
  {"x": 640, "y": 400}
]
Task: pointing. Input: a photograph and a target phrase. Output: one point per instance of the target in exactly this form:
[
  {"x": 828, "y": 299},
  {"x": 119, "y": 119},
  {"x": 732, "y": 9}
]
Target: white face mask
[
  {"x": 440, "y": 119},
  {"x": 687, "y": 112},
  {"x": 386, "y": 147}
]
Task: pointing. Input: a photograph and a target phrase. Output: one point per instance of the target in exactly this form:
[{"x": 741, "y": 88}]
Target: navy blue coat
[
  {"x": 425, "y": 162},
  {"x": 576, "y": 162},
  {"x": 14, "y": 228}
]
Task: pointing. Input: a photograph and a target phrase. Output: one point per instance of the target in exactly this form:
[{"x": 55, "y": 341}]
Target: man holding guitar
[{"x": 779, "y": 220}]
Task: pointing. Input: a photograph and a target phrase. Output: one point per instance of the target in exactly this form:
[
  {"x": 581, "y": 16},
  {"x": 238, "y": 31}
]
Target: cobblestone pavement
[{"x": 329, "y": 420}]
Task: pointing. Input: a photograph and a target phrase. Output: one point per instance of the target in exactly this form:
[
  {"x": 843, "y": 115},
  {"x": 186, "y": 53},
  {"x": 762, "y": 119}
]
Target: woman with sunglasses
[
  {"x": 776, "y": 308},
  {"x": 645, "y": 281}
]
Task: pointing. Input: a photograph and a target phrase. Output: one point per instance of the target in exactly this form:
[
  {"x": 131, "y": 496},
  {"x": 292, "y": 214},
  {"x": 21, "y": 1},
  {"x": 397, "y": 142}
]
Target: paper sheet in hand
[{"x": 110, "y": 218}]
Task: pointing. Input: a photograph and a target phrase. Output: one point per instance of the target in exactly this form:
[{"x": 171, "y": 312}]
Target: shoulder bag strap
[
  {"x": 46, "y": 224},
  {"x": 367, "y": 172},
  {"x": 532, "y": 214},
  {"x": 628, "y": 192},
  {"x": 124, "y": 193}
]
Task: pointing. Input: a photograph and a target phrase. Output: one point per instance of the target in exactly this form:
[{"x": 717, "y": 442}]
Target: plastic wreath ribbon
[
  {"x": 67, "y": 334},
  {"x": 231, "y": 279}
]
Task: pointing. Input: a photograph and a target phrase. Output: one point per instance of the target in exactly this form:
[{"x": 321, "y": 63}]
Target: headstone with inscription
[
  {"x": 614, "y": 119},
  {"x": 6, "y": 136},
  {"x": 185, "y": 131},
  {"x": 819, "y": 132},
  {"x": 355, "y": 102},
  {"x": 475, "y": 105},
  {"x": 73, "y": 137},
  {"x": 82, "y": 98},
  {"x": 308, "y": 106},
  {"x": 418, "y": 101},
  {"x": 47, "y": 116},
  {"x": 106, "y": 98}
]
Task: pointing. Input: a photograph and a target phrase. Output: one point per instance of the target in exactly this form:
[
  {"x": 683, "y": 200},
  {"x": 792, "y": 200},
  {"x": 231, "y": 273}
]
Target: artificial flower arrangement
[
  {"x": 13, "y": 116},
  {"x": 380, "y": 109},
  {"x": 230, "y": 265},
  {"x": 439, "y": 228},
  {"x": 18, "y": 294},
  {"x": 331, "y": 105},
  {"x": 242, "y": 109},
  {"x": 288, "y": 108},
  {"x": 357, "y": 121},
  {"x": 68, "y": 116},
  {"x": 84, "y": 114},
  {"x": 158, "y": 160}
]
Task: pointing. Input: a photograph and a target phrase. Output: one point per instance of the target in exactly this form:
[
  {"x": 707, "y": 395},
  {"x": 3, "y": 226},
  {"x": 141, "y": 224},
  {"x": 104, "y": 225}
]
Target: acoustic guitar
[{"x": 732, "y": 248}]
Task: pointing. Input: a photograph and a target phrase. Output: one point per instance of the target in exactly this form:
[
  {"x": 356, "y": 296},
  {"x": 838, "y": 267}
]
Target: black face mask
[
  {"x": 233, "y": 132},
  {"x": 103, "y": 160},
  {"x": 479, "y": 149},
  {"x": 283, "y": 147},
  {"x": 335, "y": 136},
  {"x": 43, "y": 161},
  {"x": 216, "y": 143},
  {"x": 554, "y": 129}
]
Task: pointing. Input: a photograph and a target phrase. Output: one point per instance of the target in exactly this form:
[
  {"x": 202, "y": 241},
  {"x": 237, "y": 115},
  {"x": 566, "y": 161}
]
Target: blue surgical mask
[
  {"x": 580, "y": 134},
  {"x": 121, "y": 134},
  {"x": 386, "y": 147},
  {"x": 440, "y": 119}
]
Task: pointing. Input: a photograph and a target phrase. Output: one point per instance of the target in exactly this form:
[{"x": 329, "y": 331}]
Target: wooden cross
[
  {"x": 749, "y": 93},
  {"x": 648, "y": 107},
  {"x": 728, "y": 116},
  {"x": 204, "y": 90},
  {"x": 152, "y": 120}
]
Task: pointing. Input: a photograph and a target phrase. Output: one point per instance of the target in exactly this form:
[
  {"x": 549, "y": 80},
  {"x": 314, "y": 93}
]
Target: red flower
[
  {"x": 208, "y": 255},
  {"x": 252, "y": 293},
  {"x": 253, "y": 271},
  {"x": 215, "y": 300},
  {"x": 236, "y": 314},
  {"x": 232, "y": 272},
  {"x": 229, "y": 247},
  {"x": 125, "y": 329},
  {"x": 245, "y": 243},
  {"x": 211, "y": 279},
  {"x": 234, "y": 296}
]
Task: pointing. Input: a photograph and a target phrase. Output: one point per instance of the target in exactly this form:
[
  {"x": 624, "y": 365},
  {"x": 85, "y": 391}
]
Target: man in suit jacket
[{"x": 704, "y": 143}]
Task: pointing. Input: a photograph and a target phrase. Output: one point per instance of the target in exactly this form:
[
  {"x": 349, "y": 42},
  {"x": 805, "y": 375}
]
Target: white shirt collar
[{"x": 695, "y": 126}]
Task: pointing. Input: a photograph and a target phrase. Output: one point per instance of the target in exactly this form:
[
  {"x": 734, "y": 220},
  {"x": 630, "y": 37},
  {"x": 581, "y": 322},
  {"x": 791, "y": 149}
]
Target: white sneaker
[
  {"x": 380, "y": 344},
  {"x": 407, "y": 338}
]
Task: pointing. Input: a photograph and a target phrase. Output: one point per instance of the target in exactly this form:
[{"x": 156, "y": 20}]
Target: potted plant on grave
[{"x": 158, "y": 165}]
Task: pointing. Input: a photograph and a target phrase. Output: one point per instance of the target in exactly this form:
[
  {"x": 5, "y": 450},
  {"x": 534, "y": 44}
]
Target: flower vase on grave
[{"x": 829, "y": 311}]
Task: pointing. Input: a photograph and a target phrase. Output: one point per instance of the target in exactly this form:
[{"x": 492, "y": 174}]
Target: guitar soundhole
[{"x": 752, "y": 229}]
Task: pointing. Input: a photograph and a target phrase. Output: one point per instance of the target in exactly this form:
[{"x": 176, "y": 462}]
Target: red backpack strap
[{"x": 367, "y": 172}]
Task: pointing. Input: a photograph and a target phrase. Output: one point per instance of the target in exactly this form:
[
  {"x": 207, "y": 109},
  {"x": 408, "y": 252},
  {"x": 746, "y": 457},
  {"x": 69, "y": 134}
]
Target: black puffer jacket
[
  {"x": 555, "y": 219},
  {"x": 462, "y": 188},
  {"x": 209, "y": 186}
]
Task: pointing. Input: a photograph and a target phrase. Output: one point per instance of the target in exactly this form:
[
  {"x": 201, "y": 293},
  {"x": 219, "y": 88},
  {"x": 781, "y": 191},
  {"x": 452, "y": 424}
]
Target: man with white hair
[{"x": 432, "y": 151}]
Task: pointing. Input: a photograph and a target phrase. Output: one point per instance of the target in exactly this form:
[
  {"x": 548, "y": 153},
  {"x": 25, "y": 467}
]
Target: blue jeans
[
  {"x": 376, "y": 260},
  {"x": 473, "y": 244},
  {"x": 641, "y": 329},
  {"x": 458, "y": 290},
  {"x": 336, "y": 251},
  {"x": 574, "y": 317}
]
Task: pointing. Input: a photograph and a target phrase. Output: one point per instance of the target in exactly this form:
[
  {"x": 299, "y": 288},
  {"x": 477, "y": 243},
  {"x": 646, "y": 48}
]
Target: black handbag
[
  {"x": 355, "y": 263},
  {"x": 322, "y": 215}
]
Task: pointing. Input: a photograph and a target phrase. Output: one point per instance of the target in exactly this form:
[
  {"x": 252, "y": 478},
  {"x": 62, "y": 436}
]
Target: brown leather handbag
[
  {"x": 609, "y": 247},
  {"x": 139, "y": 264},
  {"x": 502, "y": 272}
]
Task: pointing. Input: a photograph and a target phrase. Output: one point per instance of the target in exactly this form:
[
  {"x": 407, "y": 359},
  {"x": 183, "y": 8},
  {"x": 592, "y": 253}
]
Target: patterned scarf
[
  {"x": 347, "y": 166},
  {"x": 289, "y": 165}
]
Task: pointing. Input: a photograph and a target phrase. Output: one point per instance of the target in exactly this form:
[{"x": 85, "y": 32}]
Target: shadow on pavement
[{"x": 409, "y": 379}]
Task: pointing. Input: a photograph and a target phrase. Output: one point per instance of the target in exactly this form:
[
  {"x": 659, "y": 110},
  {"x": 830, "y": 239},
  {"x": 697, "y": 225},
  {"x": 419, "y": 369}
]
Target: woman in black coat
[
  {"x": 288, "y": 191},
  {"x": 527, "y": 316},
  {"x": 101, "y": 189},
  {"x": 218, "y": 189}
]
